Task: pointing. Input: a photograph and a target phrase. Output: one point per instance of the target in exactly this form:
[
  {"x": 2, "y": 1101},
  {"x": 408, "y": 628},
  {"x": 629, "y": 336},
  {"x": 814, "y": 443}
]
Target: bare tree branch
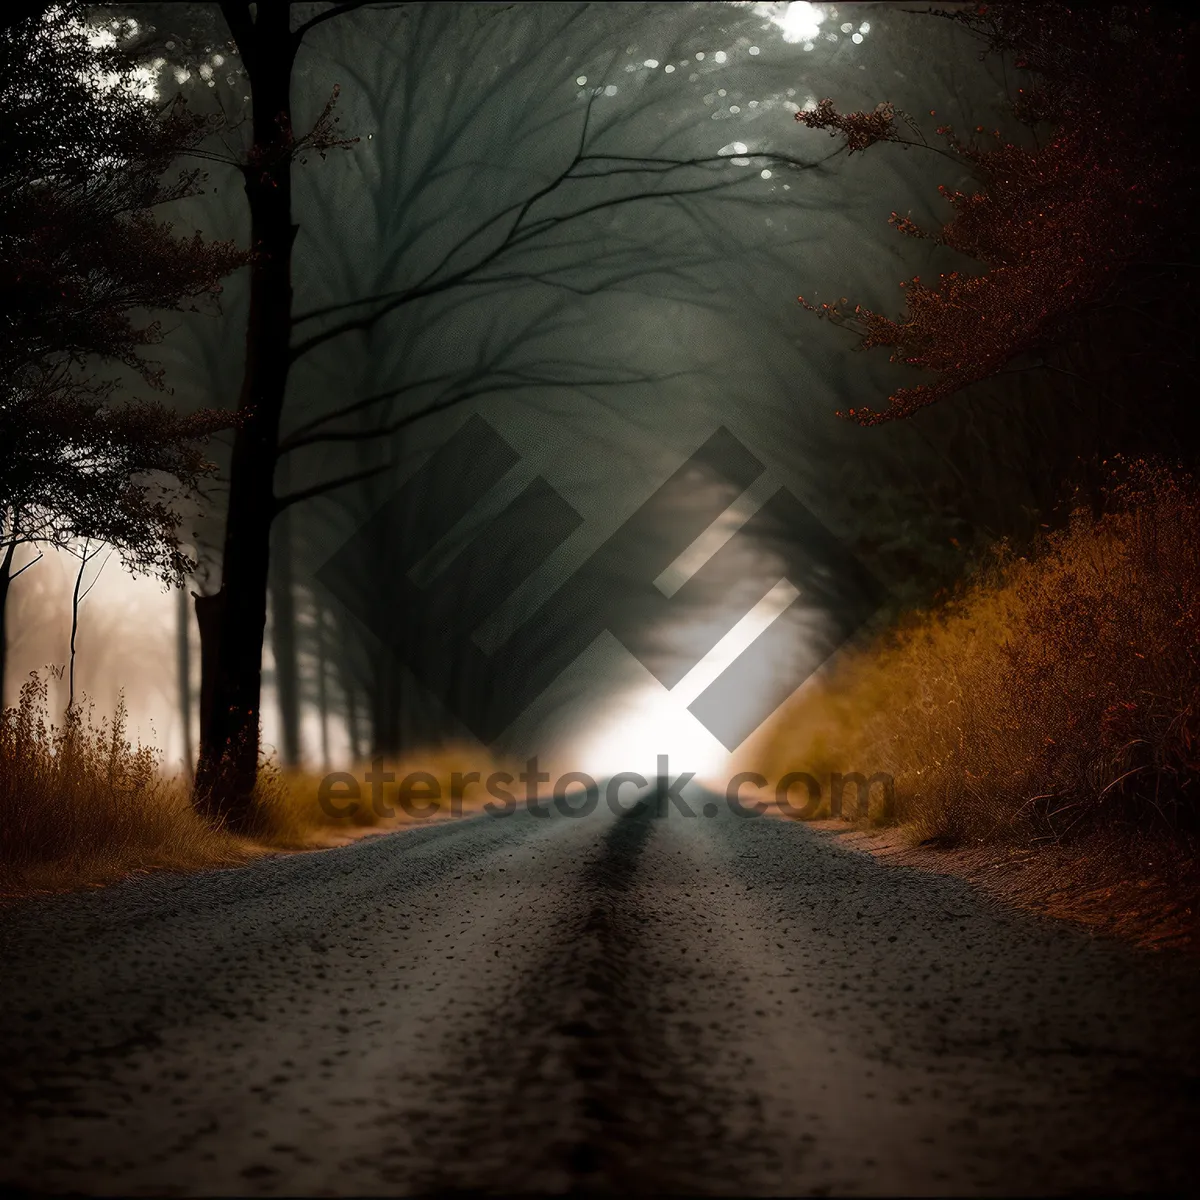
[
  {"x": 517, "y": 236},
  {"x": 32, "y": 562},
  {"x": 297, "y": 436},
  {"x": 334, "y": 10},
  {"x": 320, "y": 489},
  {"x": 487, "y": 387}
]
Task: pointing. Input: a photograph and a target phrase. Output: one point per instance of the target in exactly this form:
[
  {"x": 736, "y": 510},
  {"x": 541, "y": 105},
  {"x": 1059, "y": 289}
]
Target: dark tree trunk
[
  {"x": 5, "y": 583},
  {"x": 385, "y": 712},
  {"x": 228, "y": 765},
  {"x": 283, "y": 634},
  {"x": 322, "y": 685},
  {"x": 208, "y": 621},
  {"x": 341, "y": 654},
  {"x": 352, "y": 729},
  {"x": 183, "y": 668}
]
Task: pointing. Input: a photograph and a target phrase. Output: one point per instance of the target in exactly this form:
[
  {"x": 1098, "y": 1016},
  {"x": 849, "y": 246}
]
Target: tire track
[
  {"x": 608, "y": 1091},
  {"x": 600, "y": 1005}
]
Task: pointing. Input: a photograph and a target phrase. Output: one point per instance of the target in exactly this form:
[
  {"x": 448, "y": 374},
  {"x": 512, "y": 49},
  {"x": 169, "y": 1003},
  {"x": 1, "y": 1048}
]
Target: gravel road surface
[{"x": 596, "y": 1004}]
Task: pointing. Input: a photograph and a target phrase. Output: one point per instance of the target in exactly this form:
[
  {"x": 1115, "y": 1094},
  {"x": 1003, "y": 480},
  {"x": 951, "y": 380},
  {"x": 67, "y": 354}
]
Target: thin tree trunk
[
  {"x": 6, "y": 578},
  {"x": 228, "y": 765},
  {"x": 83, "y": 562},
  {"x": 208, "y": 622},
  {"x": 349, "y": 688},
  {"x": 352, "y": 730},
  {"x": 322, "y": 687},
  {"x": 77, "y": 598},
  {"x": 183, "y": 661},
  {"x": 385, "y": 712},
  {"x": 283, "y": 633}
]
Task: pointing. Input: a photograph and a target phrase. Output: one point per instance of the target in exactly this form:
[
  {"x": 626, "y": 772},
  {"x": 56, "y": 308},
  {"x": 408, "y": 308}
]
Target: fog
[{"x": 605, "y": 349}]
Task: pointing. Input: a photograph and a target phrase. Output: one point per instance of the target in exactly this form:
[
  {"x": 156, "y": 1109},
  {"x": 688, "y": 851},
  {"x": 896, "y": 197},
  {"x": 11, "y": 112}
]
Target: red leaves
[
  {"x": 860, "y": 129},
  {"x": 906, "y": 225},
  {"x": 1051, "y": 225}
]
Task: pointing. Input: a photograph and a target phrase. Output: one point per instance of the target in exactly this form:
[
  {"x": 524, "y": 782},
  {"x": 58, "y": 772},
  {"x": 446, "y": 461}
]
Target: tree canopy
[
  {"x": 1056, "y": 218},
  {"x": 85, "y": 262}
]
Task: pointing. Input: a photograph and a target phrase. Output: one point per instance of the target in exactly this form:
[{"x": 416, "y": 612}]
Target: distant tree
[
  {"x": 84, "y": 157},
  {"x": 1057, "y": 221},
  {"x": 539, "y": 228}
]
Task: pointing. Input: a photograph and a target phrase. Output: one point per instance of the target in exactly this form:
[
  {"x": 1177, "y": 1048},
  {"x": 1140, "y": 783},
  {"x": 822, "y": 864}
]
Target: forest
[
  {"x": 262, "y": 261},
  {"x": 599, "y": 598}
]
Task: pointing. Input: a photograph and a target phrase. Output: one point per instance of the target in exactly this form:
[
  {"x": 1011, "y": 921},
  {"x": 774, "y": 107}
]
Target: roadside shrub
[
  {"x": 1058, "y": 694},
  {"x": 288, "y": 811},
  {"x": 78, "y": 802}
]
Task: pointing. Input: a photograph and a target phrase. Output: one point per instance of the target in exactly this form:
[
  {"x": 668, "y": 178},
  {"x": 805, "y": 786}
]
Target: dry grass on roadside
[
  {"x": 291, "y": 814},
  {"x": 1058, "y": 697},
  {"x": 80, "y": 805}
]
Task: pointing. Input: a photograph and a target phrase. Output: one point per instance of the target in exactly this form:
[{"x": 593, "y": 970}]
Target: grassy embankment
[
  {"x": 1043, "y": 727},
  {"x": 80, "y": 805}
]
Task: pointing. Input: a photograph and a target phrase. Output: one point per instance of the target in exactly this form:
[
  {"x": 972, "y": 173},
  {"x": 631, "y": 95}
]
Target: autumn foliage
[
  {"x": 1057, "y": 695},
  {"x": 1055, "y": 219},
  {"x": 80, "y": 803}
]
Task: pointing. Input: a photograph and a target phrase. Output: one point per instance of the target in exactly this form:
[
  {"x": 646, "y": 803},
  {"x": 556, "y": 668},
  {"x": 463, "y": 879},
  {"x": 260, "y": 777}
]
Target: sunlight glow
[
  {"x": 646, "y": 719},
  {"x": 727, "y": 650},
  {"x": 644, "y": 724},
  {"x": 799, "y": 21},
  {"x": 650, "y": 720}
]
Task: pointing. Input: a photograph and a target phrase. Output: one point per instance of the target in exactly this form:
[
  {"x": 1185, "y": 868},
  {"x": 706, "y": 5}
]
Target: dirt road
[{"x": 548, "y": 1004}]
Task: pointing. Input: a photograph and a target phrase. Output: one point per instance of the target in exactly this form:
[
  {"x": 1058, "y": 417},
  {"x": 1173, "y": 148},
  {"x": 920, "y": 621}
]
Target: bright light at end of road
[
  {"x": 650, "y": 720},
  {"x": 644, "y": 724}
]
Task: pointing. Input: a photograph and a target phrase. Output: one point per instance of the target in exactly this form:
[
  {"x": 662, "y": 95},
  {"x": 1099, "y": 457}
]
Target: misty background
[{"x": 640, "y": 309}]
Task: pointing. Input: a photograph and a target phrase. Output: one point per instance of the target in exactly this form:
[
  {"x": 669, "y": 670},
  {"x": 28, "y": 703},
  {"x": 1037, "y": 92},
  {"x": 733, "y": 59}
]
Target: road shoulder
[{"x": 1144, "y": 894}]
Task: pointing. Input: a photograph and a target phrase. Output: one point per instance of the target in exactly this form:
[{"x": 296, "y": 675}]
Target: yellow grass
[
  {"x": 79, "y": 804},
  {"x": 290, "y": 812},
  {"x": 1058, "y": 696}
]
